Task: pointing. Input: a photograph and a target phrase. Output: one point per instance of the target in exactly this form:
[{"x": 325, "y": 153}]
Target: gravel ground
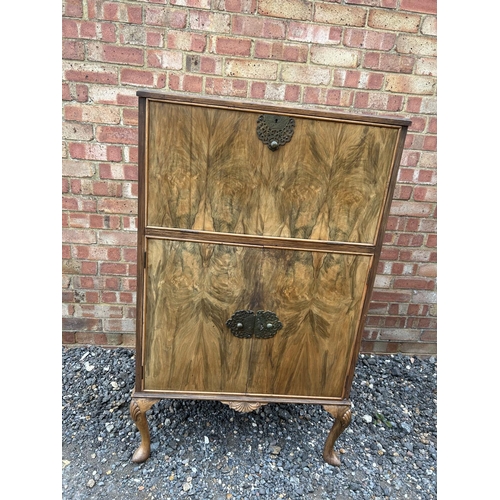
[{"x": 205, "y": 450}]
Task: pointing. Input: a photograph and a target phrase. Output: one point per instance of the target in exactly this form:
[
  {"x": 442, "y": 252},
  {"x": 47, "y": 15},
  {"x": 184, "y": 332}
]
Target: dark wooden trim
[
  {"x": 259, "y": 107},
  {"x": 140, "y": 242},
  {"x": 258, "y": 241},
  {"x": 252, "y": 398}
]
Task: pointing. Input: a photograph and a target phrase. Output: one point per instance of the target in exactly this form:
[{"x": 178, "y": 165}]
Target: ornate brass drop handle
[{"x": 246, "y": 324}]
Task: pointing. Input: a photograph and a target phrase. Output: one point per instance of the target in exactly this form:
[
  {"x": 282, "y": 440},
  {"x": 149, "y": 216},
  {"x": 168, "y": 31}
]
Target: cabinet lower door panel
[
  {"x": 318, "y": 297},
  {"x": 192, "y": 289}
]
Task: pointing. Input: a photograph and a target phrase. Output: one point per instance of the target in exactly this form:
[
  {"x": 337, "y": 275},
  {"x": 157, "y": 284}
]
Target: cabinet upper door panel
[{"x": 208, "y": 170}]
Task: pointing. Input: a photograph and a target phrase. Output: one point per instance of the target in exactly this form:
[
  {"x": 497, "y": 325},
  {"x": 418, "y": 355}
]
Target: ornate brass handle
[{"x": 246, "y": 324}]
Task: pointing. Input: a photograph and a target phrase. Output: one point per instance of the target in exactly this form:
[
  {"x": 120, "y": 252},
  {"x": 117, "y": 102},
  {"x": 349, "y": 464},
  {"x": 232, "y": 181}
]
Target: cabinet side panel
[
  {"x": 318, "y": 297},
  {"x": 192, "y": 290}
]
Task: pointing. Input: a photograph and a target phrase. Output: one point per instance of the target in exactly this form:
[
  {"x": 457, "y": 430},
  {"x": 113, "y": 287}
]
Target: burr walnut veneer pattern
[{"x": 227, "y": 224}]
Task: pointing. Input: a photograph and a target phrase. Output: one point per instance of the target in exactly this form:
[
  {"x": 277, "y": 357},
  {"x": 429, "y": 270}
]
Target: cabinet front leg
[
  {"x": 342, "y": 416},
  {"x": 138, "y": 409}
]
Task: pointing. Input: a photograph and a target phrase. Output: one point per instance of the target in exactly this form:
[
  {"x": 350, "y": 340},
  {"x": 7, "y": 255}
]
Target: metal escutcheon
[{"x": 247, "y": 324}]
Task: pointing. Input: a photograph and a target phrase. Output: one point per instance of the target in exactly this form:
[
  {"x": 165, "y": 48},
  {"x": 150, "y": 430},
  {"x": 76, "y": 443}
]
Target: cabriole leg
[
  {"x": 138, "y": 409},
  {"x": 342, "y": 416}
]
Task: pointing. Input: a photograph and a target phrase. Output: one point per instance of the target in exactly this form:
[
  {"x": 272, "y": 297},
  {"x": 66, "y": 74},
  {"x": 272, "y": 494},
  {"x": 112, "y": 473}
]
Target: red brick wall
[{"x": 370, "y": 56}]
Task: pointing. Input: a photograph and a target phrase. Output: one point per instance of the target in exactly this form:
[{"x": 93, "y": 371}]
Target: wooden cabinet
[{"x": 260, "y": 229}]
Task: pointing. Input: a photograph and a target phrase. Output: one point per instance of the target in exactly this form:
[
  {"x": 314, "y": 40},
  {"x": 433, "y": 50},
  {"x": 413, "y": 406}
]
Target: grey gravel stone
[{"x": 204, "y": 450}]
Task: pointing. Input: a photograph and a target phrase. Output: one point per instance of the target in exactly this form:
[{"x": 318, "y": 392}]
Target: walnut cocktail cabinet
[{"x": 259, "y": 232}]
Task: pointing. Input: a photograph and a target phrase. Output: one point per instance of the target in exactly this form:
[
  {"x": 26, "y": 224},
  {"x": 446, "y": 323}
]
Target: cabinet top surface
[{"x": 273, "y": 108}]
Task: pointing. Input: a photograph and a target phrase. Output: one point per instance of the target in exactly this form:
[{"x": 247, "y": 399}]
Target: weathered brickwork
[{"x": 370, "y": 56}]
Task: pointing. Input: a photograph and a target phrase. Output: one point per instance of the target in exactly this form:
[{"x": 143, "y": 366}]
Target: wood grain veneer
[{"x": 226, "y": 224}]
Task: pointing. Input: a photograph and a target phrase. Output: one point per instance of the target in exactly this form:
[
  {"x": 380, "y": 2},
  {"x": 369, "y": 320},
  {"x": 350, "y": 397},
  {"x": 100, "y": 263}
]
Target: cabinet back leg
[
  {"x": 138, "y": 409},
  {"x": 342, "y": 416}
]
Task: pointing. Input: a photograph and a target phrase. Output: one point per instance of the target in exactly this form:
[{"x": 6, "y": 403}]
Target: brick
[
  {"x": 132, "y": 35},
  {"x": 210, "y": 21},
  {"x": 228, "y": 87},
  {"x": 113, "y": 268},
  {"x": 243, "y": 6},
  {"x": 379, "y": 296},
  {"x": 117, "y": 206},
  {"x": 94, "y": 152},
  {"x": 414, "y": 283},
  {"x": 69, "y": 28},
  {"x": 411, "y": 209},
  {"x": 130, "y": 117},
  {"x": 292, "y": 93},
  {"x": 187, "y": 83},
  {"x": 357, "y": 79},
  {"x": 281, "y": 51},
  {"x": 204, "y": 64},
  {"x": 252, "y": 69},
  {"x": 92, "y": 113},
  {"x": 311, "y": 33},
  {"x": 409, "y": 84},
  {"x": 156, "y": 16},
  {"x": 73, "y": 49},
  {"x": 183, "y": 40},
  {"x": 388, "y": 62},
  {"x": 340, "y": 15},
  {"x": 375, "y": 100},
  {"x": 429, "y": 106},
  {"x": 289, "y": 9},
  {"x": 78, "y": 236},
  {"x": 330, "y": 56},
  {"x": 430, "y": 143},
  {"x": 66, "y": 92},
  {"x": 426, "y": 66},
  {"x": 77, "y": 132},
  {"x": 81, "y": 324},
  {"x": 123, "y": 55},
  {"x": 137, "y": 77},
  {"x": 88, "y": 73},
  {"x": 424, "y": 297},
  {"x": 108, "y": 32},
  {"x": 305, "y": 74},
  {"x": 199, "y": 4},
  {"x": 134, "y": 14},
  {"x": 154, "y": 39},
  {"x": 418, "y": 45},
  {"x": 233, "y": 46},
  {"x": 165, "y": 59},
  {"x": 432, "y": 128},
  {"x": 393, "y": 21},
  {"x": 176, "y": 18},
  {"x": 258, "y": 27},
  {"x": 82, "y": 93},
  {"x": 73, "y": 8},
  {"x": 119, "y": 325},
  {"x": 427, "y": 270},
  {"x": 71, "y": 168},
  {"x": 369, "y": 40},
  {"x": 424, "y": 6},
  {"x": 88, "y": 30},
  {"x": 117, "y": 238},
  {"x": 117, "y": 171},
  {"x": 403, "y": 192},
  {"x": 421, "y": 193},
  {"x": 429, "y": 26},
  {"x": 120, "y": 135},
  {"x": 405, "y": 334}
]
